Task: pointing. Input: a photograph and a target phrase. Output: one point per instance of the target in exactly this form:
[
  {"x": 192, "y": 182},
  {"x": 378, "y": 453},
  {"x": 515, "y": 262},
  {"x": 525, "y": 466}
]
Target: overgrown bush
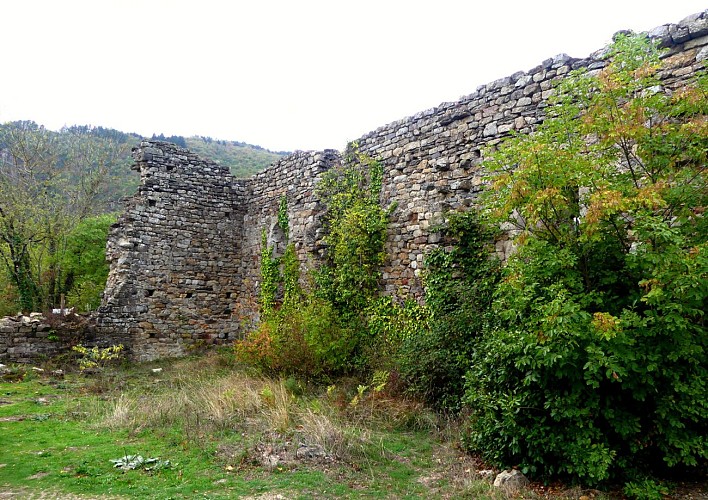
[
  {"x": 390, "y": 325},
  {"x": 96, "y": 358},
  {"x": 79, "y": 261},
  {"x": 459, "y": 281},
  {"x": 304, "y": 339},
  {"x": 322, "y": 331},
  {"x": 597, "y": 364}
]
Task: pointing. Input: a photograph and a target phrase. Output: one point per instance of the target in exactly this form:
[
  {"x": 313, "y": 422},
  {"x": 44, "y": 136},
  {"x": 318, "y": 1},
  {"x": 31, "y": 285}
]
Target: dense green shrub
[
  {"x": 82, "y": 261},
  {"x": 597, "y": 364},
  {"x": 391, "y": 325},
  {"x": 304, "y": 338},
  {"x": 459, "y": 281}
]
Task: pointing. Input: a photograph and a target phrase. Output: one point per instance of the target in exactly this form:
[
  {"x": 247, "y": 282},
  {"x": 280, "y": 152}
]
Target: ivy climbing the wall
[
  {"x": 270, "y": 276},
  {"x": 322, "y": 331},
  {"x": 283, "y": 220},
  {"x": 355, "y": 225}
]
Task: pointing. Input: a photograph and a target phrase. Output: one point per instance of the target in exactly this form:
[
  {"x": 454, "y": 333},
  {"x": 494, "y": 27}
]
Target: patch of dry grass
[{"x": 200, "y": 401}]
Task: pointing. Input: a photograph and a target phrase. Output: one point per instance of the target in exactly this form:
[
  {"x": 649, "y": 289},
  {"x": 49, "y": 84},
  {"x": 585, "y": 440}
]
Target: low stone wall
[{"x": 29, "y": 339}]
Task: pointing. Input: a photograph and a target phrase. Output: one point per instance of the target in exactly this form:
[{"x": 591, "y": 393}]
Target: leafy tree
[
  {"x": 120, "y": 181},
  {"x": 597, "y": 362},
  {"x": 84, "y": 262},
  {"x": 48, "y": 183}
]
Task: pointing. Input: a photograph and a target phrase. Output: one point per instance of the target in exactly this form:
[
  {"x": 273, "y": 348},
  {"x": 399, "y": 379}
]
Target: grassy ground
[{"x": 216, "y": 432}]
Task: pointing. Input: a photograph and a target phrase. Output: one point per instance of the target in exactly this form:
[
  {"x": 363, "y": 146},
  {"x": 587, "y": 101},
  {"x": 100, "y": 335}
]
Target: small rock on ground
[{"x": 511, "y": 480}]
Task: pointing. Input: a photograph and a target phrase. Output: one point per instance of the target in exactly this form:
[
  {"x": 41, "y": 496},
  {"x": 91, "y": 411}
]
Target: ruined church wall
[
  {"x": 185, "y": 256},
  {"x": 293, "y": 179},
  {"x": 175, "y": 255},
  {"x": 433, "y": 160}
]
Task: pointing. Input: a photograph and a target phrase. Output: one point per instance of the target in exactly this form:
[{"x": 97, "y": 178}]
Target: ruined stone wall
[
  {"x": 185, "y": 255},
  {"x": 292, "y": 178},
  {"x": 433, "y": 159},
  {"x": 35, "y": 338},
  {"x": 175, "y": 255}
]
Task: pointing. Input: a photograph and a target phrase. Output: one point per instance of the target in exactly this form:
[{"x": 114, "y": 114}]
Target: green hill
[{"x": 243, "y": 159}]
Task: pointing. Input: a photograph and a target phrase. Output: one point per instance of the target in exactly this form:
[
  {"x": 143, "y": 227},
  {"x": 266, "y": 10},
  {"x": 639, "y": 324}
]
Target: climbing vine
[
  {"x": 323, "y": 331},
  {"x": 283, "y": 220},
  {"x": 270, "y": 276},
  {"x": 355, "y": 225},
  {"x": 291, "y": 275},
  {"x": 460, "y": 278}
]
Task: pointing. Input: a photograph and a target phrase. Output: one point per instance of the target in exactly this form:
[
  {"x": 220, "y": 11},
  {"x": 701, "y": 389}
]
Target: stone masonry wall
[
  {"x": 185, "y": 255},
  {"x": 34, "y": 338},
  {"x": 433, "y": 159},
  {"x": 294, "y": 179},
  {"x": 175, "y": 255}
]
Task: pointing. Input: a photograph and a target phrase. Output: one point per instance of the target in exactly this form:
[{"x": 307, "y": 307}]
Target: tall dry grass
[
  {"x": 195, "y": 401},
  {"x": 199, "y": 397}
]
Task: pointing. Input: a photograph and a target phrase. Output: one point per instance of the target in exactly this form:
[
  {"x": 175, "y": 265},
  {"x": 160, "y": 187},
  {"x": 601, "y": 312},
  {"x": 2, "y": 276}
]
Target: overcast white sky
[{"x": 283, "y": 74}]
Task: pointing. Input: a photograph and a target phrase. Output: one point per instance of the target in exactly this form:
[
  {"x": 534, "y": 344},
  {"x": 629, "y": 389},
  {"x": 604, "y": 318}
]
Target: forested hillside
[
  {"x": 243, "y": 159},
  {"x": 120, "y": 182}
]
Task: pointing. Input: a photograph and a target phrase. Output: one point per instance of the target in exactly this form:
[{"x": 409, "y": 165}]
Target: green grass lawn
[{"x": 225, "y": 435}]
